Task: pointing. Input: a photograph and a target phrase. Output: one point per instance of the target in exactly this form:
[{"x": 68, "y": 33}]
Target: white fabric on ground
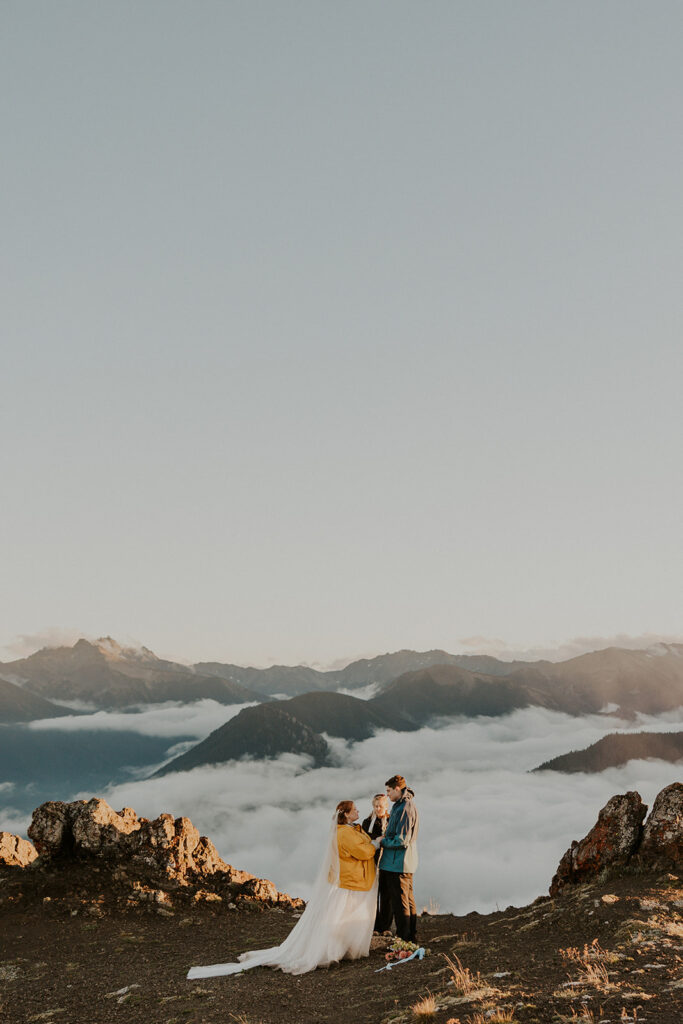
[
  {"x": 339, "y": 929},
  {"x": 336, "y": 924}
]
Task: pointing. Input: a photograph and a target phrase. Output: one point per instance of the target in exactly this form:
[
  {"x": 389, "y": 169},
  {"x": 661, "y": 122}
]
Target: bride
[{"x": 339, "y": 917}]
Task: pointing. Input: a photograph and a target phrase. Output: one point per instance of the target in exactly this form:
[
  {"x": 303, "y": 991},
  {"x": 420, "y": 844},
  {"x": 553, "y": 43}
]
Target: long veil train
[{"x": 336, "y": 924}]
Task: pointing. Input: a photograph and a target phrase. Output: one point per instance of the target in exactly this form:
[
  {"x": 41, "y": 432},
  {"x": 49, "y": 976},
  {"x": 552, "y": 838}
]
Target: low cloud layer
[
  {"x": 170, "y": 719},
  {"x": 491, "y": 833}
]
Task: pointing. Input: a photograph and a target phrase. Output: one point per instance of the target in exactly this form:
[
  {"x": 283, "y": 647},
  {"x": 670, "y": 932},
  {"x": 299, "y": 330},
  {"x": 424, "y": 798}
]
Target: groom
[{"x": 398, "y": 862}]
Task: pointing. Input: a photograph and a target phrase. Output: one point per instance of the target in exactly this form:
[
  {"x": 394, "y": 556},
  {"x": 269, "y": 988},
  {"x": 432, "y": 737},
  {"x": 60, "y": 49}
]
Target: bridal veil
[{"x": 336, "y": 924}]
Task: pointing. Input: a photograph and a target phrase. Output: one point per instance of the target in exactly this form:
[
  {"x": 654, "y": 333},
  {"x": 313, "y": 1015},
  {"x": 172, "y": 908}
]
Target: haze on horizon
[{"x": 334, "y": 331}]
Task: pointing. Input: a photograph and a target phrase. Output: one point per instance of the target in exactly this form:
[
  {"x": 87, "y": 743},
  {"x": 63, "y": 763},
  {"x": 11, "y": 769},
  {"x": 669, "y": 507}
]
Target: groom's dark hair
[{"x": 396, "y": 782}]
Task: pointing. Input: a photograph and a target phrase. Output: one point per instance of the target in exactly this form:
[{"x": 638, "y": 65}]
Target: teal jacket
[{"x": 399, "y": 843}]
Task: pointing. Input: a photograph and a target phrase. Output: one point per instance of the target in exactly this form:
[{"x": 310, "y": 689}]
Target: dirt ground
[{"x": 78, "y": 957}]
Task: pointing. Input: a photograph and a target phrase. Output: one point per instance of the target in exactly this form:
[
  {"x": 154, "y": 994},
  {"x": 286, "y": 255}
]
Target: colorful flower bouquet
[{"x": 401, "y": 950}]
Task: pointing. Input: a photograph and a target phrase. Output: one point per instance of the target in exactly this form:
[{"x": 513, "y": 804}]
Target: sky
[
  {"x": 331, "y": 329},
  {"x": 491, "y": 833}
]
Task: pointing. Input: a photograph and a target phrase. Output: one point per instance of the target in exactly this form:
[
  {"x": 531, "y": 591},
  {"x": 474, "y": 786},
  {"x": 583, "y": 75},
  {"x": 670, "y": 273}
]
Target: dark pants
[
  {"x": 396, "y": 899},
  {"x": 385, "y": 913}
]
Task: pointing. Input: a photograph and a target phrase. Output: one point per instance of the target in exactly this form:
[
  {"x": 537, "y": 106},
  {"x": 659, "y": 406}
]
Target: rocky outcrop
[
  {"x": 166, "y": 852},
  {"x": 662, "y": 844},
  {"x": 619, "y": 837},
  {"x": 612, "y": 840},
  {"x": 59, "y": 829},
  {"x": 16, "y": 852},
  {"x": 166, "y": 845}
]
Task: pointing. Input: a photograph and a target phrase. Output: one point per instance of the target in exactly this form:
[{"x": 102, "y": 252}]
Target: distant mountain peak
[
  {"x": 80, "y": 645},
  {"x": 114, "y": 651},
  {"x": 108, "y": 674}
]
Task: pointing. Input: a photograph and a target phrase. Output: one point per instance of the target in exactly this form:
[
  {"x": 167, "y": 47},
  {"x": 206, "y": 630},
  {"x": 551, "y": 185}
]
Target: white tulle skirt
[{"x": 338, "y": 927}]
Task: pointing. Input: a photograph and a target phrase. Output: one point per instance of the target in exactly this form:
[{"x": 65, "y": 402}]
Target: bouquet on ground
[{"x": 400, "y": 949}]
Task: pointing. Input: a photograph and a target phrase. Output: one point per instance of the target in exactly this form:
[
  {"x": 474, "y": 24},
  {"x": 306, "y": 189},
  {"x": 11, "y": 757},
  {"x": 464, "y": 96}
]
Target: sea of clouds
[
  {"x": 491, "y": 833},
  {"x": 170, "y": 718}
]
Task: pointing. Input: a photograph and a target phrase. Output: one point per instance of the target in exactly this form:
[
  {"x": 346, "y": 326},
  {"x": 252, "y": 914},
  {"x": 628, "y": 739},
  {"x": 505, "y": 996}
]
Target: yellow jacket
[{"x": 356, "y": 858}]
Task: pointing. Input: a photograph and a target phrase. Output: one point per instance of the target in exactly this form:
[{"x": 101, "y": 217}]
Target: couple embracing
[{"x": 339, "y": 917}]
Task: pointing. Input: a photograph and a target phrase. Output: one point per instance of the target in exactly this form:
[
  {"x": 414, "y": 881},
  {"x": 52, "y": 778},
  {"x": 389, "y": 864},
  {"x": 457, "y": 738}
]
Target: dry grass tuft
[
  {"x": 466, "y": 939},
  {"x": 584, "y": 1016},
  {"x": 591, "y": 961},
  {"x": 595, "y": 975},
  {"x": 462, "y": 978},
  {"x": 630, "y": 1016},
  {"x": 424, "y": 1007},
  {"x": 433, "y": 907},
  {"x": 590, "y": 954},
  {"x": 493, "y": 1017}
]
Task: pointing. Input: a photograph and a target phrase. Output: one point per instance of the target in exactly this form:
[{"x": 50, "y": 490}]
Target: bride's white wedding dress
[{"x": 336, "y": 924}]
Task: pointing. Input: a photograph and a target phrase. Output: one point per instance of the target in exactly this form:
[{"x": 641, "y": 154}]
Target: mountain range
[
  {"x": 293, "y": 726},
  {"x": 293, "y": 680},
  {"x": 443, "y": 691},
  {"x": 414, "y": 689},
  {"x": 406, "y": 704},
  {"x": 107, "y": 676}
]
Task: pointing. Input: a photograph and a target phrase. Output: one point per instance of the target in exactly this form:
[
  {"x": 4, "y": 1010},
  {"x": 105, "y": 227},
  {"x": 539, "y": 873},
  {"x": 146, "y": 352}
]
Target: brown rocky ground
[{"x": 72, "y": 951}]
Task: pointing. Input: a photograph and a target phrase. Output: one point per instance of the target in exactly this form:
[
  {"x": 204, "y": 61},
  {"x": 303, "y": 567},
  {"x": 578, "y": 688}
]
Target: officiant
[{"x": 376, "y": 823}]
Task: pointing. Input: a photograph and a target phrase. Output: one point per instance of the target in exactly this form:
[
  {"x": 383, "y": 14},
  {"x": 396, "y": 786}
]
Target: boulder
[
  {"x": 61, "y": 829},
  {"x": 612, "y": 841},
  {"x": 50, "y": 828},
  {"x": 95, "y": 827},
  {"x": 260, "y": 889},
  {"x": 16, "y": 852},
  {"x": 662, "y": 842}
]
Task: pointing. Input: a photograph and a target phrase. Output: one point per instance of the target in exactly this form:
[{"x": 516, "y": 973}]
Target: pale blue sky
[{"x": 335, "y": 328}]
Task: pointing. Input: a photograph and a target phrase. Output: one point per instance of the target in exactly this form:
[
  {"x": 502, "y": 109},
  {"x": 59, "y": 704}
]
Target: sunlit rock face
[
  {"x": 172, "y": 847},
  {"x": 662, "y": 843},
  {"x": 619, "y": 838},
  {"x": 16, "y": 852},
  {"x": 612, "y": 840}
]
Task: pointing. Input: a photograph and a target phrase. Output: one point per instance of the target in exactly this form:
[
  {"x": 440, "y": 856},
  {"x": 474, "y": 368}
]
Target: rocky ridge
[{"x": 164, "y": 861}]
